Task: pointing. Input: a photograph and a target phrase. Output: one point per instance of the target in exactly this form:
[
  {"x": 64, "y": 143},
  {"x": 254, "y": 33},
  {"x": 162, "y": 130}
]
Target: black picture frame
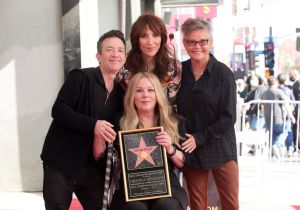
[{"x": 144, "y": 165}]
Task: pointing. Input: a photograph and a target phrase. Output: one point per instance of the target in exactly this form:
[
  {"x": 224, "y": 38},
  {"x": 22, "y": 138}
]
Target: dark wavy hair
[{"x": 135, "y": 62}]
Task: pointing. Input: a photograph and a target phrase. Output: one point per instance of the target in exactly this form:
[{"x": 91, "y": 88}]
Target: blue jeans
[
  {"x": 256, "y": 123},
  {"x": 279, "y": 135},
  {"x": 290, "y": 136}
]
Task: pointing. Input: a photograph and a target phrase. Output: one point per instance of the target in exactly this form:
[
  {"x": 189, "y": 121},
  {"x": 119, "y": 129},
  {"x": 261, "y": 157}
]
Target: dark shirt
[
  {"x": 274, "y": 93},
  {"x": 243, "y": 93},
  {"x": 209, "y": 106},
  {"x": 296, "y": 90},
  {"x": 81, "y": 101},
  {"x": 255, "y": 95}
]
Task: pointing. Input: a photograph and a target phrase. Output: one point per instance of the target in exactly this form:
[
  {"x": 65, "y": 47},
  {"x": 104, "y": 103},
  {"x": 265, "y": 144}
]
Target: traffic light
[
  {"x": 269, "y": 72},
  {"x": 298, "y": 43},
  {"x": 269, "y": 54},
  {"x": 298, "y": 40},
  {"x": 257, "y": 62},
  {"x": 250, "y": 59}
]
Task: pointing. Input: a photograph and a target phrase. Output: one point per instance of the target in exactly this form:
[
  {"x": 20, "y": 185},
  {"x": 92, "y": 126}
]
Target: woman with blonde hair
[
  {"x": 146, "y": 106},
  {"x": 162, "y": 112}
]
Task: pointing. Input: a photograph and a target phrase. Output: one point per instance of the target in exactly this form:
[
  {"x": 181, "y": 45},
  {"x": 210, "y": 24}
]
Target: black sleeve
[
  {"x": 65, "y": 108},
  {"x": 182, "y": 132},
  {"x": 181, "y": 128},
  {"x": 296, "y": 90},
  {"x": 227, "y": 113}
]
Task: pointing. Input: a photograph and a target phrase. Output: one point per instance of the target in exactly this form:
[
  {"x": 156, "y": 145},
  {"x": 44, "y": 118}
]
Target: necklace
[{"x": 198, "y": 75}]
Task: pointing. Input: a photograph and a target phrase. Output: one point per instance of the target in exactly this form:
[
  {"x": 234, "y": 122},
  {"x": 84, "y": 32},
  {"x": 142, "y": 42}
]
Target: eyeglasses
[{"x": 193, "y": 43}]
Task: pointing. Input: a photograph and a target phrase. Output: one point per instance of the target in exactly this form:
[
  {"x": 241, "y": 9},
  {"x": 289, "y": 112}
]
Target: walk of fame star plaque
[{"x": 144, "y": 165}]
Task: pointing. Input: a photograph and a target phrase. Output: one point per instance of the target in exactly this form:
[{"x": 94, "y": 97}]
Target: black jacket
[
  {"x": 209, "y": 107},
  {"x": 81, "y": 101}
]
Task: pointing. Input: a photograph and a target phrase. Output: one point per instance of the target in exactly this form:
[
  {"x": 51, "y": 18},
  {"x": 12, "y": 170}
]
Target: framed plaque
[{"x": 144, "y": 165}]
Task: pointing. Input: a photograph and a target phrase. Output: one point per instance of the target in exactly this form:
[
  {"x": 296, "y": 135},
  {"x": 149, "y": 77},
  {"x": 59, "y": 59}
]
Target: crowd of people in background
[{"x": 279, "y": 118}]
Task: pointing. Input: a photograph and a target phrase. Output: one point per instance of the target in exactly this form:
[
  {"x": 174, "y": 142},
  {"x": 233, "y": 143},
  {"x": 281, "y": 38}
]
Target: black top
[
  {"x": 254, "y": 95},
  {"x": 296, "y": 90},
  {"x": 209, "y": 106},
  {"x": 81, "y": 101}
]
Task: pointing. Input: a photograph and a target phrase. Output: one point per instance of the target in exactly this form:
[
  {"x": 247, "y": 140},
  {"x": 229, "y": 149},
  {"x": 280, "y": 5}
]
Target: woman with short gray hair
[{"x": 207, "y": 99}]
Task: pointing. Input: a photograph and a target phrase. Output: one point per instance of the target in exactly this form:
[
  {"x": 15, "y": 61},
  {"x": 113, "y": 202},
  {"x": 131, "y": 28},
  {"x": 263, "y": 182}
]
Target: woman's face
[
  {"x": 149, "y": 43},
  {"x": 145, "y": 97},
  {"x": 198, "y": 44}
]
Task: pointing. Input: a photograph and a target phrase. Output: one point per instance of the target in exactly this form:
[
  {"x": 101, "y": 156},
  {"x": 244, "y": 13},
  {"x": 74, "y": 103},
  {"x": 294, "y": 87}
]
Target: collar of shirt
[
  {"x": 209, "y": 68},
  {"x": 100, "y": 79}
]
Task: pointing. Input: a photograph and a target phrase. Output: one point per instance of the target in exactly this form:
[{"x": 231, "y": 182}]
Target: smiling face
[
  {"x": 196, "y": 45},
  {"x": 149, "y": 43},
  {"x": 145, "y": 96},
  {"x": 112, "y": 55}
]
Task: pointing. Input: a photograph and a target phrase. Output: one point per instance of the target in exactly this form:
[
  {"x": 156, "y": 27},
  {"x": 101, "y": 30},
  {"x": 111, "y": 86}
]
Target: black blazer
[{"x": 81, "y": 101}]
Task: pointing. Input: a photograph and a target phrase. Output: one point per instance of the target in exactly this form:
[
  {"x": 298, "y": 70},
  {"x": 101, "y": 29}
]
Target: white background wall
[
  {"x": 31, "y": 73},
  {"x": 96, "y": 18}
]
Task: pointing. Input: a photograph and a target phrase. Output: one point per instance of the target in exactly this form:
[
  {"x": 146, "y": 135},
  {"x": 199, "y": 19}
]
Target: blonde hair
[{"x": 163, "y": 111}]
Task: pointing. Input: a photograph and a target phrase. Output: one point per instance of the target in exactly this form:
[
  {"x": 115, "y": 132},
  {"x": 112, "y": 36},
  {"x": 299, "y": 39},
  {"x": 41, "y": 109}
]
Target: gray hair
[{"x": 198, "y": 23}]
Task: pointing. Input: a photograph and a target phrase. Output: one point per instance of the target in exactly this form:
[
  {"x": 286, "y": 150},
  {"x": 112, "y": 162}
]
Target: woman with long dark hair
[{"x": 149, "y": 53}]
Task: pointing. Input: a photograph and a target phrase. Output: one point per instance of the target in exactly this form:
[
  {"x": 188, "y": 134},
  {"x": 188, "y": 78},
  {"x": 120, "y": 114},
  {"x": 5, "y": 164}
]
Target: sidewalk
[
  {"x": 263, "y": 186},
  {"x": 21, "y": 201},
  {"x": 34, "y": 201},
  {"x": 27, "y": 201}
]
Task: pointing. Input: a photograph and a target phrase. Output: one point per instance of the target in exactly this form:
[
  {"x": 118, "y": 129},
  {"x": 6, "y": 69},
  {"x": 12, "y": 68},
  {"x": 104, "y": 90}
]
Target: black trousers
[
  {"x": 156, "y": 204},
  {"x": 119, "y": 203},
  {"x": 58, "y": 189}
]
